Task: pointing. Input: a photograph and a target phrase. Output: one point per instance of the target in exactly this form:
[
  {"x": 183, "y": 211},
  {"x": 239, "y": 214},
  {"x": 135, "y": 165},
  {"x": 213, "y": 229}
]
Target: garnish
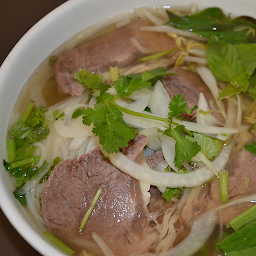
[
  {"x": 88, "y": 213},
  {"x": 251, "y": 148},
  {"x": 106, "y": 116},
  {"x": 32, "y": 127},
  {"x": 58, "y": 243},
  {"x": 212, "y": 21}
]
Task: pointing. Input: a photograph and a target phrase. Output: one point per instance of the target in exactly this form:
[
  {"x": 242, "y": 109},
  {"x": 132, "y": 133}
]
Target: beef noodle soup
[{"x": 138, "y": 138}]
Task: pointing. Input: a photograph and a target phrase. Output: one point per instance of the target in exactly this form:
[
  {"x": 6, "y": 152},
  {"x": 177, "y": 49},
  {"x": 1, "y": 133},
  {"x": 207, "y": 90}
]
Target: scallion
[
  {"x": 223, "y": 176},
  {"x": 88, "y": 213},
  {"x": 58, "y": 243},
  {"x": 155, "y": 56}
]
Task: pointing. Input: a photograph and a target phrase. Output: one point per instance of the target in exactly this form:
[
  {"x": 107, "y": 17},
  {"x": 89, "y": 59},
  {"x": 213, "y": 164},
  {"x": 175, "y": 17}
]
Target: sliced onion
[
  {"x": 168, "y": 179},
  {"x": 143, "y": 123},
  {"x": 209, "y": 79},
  {"x": 141, "y": 98},
  {"x": 168, "y": 148},
  {"x": 153, "y": 136},
  {"x": 159, "y": 101}
]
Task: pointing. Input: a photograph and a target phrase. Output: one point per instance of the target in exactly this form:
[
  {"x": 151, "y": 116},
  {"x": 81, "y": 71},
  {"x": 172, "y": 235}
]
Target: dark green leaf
[
  {"x": 251, "y": 148},
  {"x": 184, "y": 149},
  {"x": 223, "y": 59},
  {"x": 109, "y": 126},
  {"x": 210, "y": 147},
  {"x": 242, "y": 239}
]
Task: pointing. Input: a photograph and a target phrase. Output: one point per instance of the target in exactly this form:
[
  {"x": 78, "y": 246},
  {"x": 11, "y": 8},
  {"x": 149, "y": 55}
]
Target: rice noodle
[
  {"x": 77, "y": 130},
  {"x": 42, "y": 155},
  {"x": 104, "y": 248}
]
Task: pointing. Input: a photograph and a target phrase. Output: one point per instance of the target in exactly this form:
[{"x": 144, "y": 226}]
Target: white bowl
[{"x": 37, "y": 44}]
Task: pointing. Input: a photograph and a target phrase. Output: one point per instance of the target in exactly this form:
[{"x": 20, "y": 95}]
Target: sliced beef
[
  {"x": 189, "y": 84},
  {"x": 241, "y": 170},
  {"x": 154, "y": 159},
  {"x": 120, "y": 216},
  {"x": 114, "y": 49}
]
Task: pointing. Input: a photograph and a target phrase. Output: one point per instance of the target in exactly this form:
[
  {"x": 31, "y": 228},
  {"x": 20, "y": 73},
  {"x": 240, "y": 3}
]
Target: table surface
[{"x": 16, "y": 17}]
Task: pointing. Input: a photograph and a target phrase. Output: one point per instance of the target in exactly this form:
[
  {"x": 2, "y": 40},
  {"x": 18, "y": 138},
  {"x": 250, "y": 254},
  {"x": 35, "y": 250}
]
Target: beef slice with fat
[
  {"x": 114, "y": 49},
  {"x": 120, "y": 216}
]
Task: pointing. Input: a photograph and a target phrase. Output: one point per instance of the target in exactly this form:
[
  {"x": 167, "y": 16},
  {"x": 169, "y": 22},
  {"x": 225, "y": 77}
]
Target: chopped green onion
[
  {"x": 11, "y": 147},
  {"x": 58, "y": 243},
  {"x": 27, "y": 161},
  {"x": 223, "y": 176},
  {"x": 155, "y": 56},
  {"x": 243, "y": 218},
  {"x": 26, "y": 113},
  {"x": 114, "y": 73},
  {"x": 88, "y": 213}
]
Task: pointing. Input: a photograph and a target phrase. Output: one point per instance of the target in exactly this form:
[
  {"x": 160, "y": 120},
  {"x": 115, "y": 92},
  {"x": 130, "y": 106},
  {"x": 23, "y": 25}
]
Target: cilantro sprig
[{"x": 114, "y": 133}]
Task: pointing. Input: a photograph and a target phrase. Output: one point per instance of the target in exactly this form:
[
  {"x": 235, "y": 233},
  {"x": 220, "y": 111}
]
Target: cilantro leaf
[
  {"x": 177, "y": 106},
  {"x": 88, "y": 79},
  {"x": 184, "y": 148},
  {"x": 109, "y": 126},
  {"x": 126, "y": 85},
  {"x": 212, "y": 21},
  {"x": 210, "y": 147}
]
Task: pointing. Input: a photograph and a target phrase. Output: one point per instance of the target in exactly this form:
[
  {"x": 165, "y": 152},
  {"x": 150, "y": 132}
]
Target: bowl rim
[{"x": 8, "y": 203}]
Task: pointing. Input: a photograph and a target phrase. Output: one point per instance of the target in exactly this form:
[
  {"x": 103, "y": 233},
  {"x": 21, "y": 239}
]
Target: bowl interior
[{"x": 37, "y": 44}]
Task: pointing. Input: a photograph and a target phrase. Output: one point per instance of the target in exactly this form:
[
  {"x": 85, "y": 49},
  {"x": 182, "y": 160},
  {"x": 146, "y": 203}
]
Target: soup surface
[{"x": 138, "y": 138}]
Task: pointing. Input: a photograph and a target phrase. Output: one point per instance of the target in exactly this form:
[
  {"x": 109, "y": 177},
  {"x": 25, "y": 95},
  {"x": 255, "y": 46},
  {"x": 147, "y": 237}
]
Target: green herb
[
  {"x": 251, "y": 148},
  {"x": 171, "y": 193},
  {"x": 223, "y": 177},
  {"x": 243, "y": 218},
  {"x": 184, "y": 148},
  {"x": 47, "y": 175},
  {"x": 88, "y": 79},
  {"x": 88, "y": 213},
  {"x": 212, "y": 21},
  {"x": 114, "y": 73},
  {"x": 156, "y": 56},
  {"x": 243, "y": 239},
  {"x": 52, "y": 60},
  {"x": 210, "y": 147},
  {"x": 114, "y": 133},
  {"x": 107, "y": 119},
  {"x": 32, "y": 127},
  {"x": 58, "y": 243},
  {"x": 232, "y": 64}
]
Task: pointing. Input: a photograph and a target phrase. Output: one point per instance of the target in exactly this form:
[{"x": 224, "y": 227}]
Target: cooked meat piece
[
  {"x": 114, "y": 49},
  {"x": 189, "y": 84},
  {"x": 120, "y": 216},
  {"x": 241, "y": 183},
  {"x": 154, "y": 159}
]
